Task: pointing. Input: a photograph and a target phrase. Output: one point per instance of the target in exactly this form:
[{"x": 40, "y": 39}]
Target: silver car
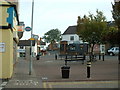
[{"x": 113, "y": 51}]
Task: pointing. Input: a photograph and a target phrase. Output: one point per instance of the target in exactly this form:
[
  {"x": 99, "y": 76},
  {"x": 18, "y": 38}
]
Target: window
[
  {"x": 21, "y": 47},
  {"x": 62, "y": 47},
  {"x": 71, "y": 47},
  {"x": 71, "y": 38}
]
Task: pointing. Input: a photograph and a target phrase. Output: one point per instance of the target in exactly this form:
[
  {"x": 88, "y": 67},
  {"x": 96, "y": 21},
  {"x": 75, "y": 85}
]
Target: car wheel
[{"x": 111, "y": 54}]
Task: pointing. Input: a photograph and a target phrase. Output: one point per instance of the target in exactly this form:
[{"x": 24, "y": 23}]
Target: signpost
[{"x": 28, "y": 29}]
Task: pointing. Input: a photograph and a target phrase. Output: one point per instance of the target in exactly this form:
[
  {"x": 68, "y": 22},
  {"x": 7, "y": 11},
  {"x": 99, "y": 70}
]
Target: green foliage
[
  {"x": 91, "y": 27},
  {"x": 52, "y": 35},
  {"x": 116, "y": 13},
  {"x": 116, "y": 16},
  {"x": 112, "y": 35}
]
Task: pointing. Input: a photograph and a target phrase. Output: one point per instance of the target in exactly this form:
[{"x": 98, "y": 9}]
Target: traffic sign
[{"x": 28, "y": 28}]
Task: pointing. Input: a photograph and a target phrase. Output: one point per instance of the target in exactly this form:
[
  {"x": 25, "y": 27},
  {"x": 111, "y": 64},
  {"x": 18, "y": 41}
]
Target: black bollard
[
  {"x": 37, "y": 57},
  {"x": 103, "y": 57},
  {"x": 55, "y": 56},
  {"x": 66, "y": 60},
  {"x": 88, "y": 69},
  {"x": 99, "y": 57},
  {"x": 66, "y": 57}
]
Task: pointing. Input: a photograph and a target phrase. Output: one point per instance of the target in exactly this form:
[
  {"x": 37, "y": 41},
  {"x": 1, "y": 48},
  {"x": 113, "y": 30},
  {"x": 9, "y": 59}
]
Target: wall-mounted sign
[
  {"x": 102, "y": 48},
  {"x": 20, "y": 28},
  {"x": 21, "y": 50},
  {"x": 2, "y": 47},
  {"x": 28, "y": 29}
]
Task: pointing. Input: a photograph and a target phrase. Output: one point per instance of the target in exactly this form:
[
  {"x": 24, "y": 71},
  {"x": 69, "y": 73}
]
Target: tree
[
  {"x": 52, "y": 36},
  {"x": 111, "y": 35},
  {"x": 91, "y": 28},
  {"x": 116, "y": 16}
]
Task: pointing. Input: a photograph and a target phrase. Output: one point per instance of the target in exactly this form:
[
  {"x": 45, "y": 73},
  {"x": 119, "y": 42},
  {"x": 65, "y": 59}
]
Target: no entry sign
[{"x": 28, "y": 29}]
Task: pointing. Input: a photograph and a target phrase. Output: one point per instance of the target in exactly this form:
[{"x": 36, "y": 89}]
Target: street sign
[
  {"x": 2, "y": 47},
  {"x": 32, "y": 39},
  {"x": 21, "y": 50},
  {"x": 102, "y": 48},
  {"x": 28, "y": 28}
]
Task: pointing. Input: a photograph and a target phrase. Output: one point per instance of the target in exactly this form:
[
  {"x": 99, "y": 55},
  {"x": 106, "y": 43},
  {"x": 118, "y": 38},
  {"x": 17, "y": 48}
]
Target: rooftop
[
  {"x": 71, "y": 30},
  {"x": 26, "y": 43}
]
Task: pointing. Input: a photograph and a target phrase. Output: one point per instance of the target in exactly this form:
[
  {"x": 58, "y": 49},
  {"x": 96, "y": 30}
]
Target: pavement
[
  {"x": 46, "y": 73},
  {"x": 21, "y": 77},
  {"x": 0, "y": 84}
]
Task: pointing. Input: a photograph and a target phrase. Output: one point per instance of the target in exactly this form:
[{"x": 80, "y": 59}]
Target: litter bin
[
  {"x": 37, "y": 57},
  {"x": 65, "y": 71}
]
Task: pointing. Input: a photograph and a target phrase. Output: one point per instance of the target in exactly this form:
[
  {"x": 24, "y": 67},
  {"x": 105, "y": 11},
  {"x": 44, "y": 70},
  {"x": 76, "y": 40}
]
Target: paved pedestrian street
[
  {"x": 47, "y": 73},
  {"x": 81, "y": 84}
]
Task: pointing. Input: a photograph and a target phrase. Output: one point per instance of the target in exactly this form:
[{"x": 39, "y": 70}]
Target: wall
[
  {"x": 7, "y": 56},
  {"x": 67, "y": 37},
  {"x": 6, "y": 69}
]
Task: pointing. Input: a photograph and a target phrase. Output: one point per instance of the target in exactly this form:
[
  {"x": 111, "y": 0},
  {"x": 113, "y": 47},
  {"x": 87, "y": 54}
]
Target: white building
[
  {"x": 70, "y": 35},
  {"x": 24, "y": 48}
]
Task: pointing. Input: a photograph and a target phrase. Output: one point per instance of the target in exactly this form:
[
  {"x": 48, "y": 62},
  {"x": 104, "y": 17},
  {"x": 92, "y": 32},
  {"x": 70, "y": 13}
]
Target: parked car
[{"x": 113, "y": 51}]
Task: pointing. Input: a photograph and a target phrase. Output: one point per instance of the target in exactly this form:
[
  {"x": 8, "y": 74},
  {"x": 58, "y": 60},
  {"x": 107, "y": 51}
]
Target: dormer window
[{"x": 71, "y": 38}]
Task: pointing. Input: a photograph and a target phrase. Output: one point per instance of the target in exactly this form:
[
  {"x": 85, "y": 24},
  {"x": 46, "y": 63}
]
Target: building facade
[
  {"x": 70, "y": 35},
  {"x": 8, "y": 38},
  {"x": 24, "y": 48}
]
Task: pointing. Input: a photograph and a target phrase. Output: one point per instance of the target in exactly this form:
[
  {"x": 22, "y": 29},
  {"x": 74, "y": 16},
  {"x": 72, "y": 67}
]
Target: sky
[{"x": 60, "y": 14}]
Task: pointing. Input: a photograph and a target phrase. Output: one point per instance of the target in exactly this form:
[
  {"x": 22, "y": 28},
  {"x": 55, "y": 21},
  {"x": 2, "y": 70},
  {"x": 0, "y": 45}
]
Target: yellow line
[
  {"x": 72, "y": 83},
  {"x": 44, "y": 85},
  {"x": 49, "y": 86}
]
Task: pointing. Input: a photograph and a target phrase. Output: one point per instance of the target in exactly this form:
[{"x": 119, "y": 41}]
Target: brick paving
[
  {"x": 50, "y": 68},
  {"x": 47, "y": 69}
]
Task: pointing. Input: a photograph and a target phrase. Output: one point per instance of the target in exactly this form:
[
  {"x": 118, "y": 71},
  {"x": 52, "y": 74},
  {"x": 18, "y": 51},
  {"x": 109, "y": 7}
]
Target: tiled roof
[
  {"x": 70, "y": 30},
  {"x": 26, "y": 43}
]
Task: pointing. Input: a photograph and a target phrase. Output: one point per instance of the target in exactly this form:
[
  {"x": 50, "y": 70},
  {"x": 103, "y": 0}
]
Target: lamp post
[{"x": 30, "y": 63}]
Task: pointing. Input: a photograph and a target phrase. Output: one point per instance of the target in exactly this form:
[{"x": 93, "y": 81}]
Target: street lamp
[{"x": 30, "y": 63}]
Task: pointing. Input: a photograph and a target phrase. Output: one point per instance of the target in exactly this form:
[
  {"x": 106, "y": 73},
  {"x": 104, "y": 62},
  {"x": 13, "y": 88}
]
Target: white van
[{"x": 113, "y": 51}]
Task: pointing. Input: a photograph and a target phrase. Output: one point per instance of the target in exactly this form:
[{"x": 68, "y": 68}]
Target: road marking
[
  {"x": 3, "y": 84},
  {"x": 1, "y": 88},
  {"x": 51, "y": 84},
  {"x": 25, "y": 82},
  {"x": 44, "y": 78},
  {"x": 44, "y": 85},
  {"x": 48, "y": 61}
]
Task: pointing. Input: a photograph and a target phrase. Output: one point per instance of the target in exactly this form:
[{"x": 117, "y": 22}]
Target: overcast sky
[{"x": 52, "y": 14}]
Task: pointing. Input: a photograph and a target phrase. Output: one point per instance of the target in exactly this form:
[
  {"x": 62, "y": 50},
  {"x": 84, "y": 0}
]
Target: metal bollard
[
  {"x": 55, "y": 56},
  {"x": 103, "y": 57},
  {"x": 99, "y": 57},
  {"x": 88, "y": 69}
]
